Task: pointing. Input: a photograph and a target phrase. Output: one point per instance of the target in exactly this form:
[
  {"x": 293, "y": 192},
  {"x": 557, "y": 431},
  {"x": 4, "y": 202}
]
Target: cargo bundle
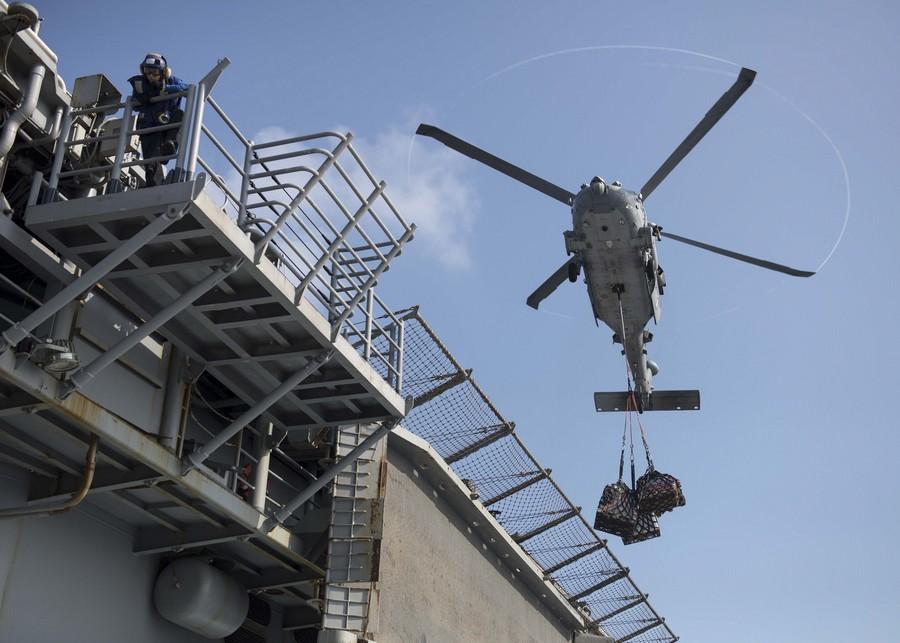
[{"x": 632, "y": 512}]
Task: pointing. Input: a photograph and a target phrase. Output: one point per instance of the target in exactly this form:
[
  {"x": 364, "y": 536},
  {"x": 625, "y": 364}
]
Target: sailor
[{"x": 156, "y": 79}]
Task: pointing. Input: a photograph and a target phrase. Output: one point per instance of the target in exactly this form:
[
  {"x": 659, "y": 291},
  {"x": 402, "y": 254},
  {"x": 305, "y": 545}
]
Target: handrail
[{"x": 333, "y": 235}]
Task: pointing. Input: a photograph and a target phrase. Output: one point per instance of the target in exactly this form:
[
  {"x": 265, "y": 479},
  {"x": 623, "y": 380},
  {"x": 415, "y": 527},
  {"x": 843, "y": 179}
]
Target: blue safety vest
[{"x": 142, "y": 91}]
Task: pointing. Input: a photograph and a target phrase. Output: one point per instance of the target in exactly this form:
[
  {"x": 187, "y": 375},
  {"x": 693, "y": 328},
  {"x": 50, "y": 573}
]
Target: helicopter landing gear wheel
[{"x": 573, "y": 269}]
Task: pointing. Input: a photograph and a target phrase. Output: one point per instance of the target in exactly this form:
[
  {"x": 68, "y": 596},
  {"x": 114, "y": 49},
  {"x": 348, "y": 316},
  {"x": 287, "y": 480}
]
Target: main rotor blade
[
  {"x": 762, "y": 263},
  {"x": 552, "y": 283},
  {"x": 729, "y": 98},
  {"x": 529, "y": 179}
]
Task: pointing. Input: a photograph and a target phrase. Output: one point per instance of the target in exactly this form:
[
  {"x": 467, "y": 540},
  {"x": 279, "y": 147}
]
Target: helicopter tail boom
[{"x": 688, "y": 400}]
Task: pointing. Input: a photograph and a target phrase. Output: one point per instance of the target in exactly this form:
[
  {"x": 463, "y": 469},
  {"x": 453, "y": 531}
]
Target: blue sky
[{"x": 789, "y": 470}]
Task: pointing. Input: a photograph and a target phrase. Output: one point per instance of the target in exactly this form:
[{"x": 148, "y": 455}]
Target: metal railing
[
  {"x": 309, "y": 203},
  {"x": 103, "y": 168},
  {"x": 306, "y": 214},
  {"x": 334, "y": 237}
]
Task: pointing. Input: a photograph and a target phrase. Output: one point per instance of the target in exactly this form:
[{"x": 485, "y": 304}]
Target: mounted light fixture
[{"x": 55, "y": 355}]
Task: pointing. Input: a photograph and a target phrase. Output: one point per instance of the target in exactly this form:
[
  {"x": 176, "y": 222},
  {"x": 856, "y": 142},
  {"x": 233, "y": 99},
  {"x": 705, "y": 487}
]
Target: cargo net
[{"x": 459, "y": 421}]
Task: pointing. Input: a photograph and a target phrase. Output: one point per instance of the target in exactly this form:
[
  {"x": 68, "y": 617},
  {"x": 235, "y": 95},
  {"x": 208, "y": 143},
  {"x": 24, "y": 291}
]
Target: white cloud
[{"x": 424, "y": 182}]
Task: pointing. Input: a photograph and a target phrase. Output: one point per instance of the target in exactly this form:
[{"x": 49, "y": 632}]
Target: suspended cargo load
[
  {"x": 646, "y": 527},
  {"x": 632, "y": 512},
  {"x": 617, "y": 512},
  {"x": 658, "y": 492}
]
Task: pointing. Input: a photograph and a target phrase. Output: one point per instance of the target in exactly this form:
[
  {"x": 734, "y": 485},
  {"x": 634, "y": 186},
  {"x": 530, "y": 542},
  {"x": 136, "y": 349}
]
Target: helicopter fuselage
[{"x": 615, "y": 245}]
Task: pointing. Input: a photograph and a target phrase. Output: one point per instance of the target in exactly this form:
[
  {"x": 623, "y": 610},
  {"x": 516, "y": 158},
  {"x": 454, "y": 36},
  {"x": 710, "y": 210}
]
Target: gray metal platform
[{"x": 251, "y": 331}]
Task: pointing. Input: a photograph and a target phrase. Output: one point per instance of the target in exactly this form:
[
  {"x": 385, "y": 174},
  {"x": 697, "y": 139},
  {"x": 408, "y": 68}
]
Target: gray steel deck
[{"x": 250, "y": 331}]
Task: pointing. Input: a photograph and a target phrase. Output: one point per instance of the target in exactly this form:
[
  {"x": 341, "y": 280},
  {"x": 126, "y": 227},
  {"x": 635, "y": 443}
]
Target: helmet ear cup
[{"x": 168, "y": 72}]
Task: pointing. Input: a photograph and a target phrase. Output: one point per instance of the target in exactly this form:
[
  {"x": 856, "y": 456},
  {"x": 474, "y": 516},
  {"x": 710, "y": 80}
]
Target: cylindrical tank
[{"x": 195, "y": 595}]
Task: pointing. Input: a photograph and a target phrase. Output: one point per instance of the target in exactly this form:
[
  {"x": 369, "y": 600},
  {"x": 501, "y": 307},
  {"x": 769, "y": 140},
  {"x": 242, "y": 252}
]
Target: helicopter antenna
[{"x": 728, "y": 99}]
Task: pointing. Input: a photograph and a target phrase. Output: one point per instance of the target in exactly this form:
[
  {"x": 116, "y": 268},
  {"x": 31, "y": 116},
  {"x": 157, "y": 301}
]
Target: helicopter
[{"x": 615, "y": 245}]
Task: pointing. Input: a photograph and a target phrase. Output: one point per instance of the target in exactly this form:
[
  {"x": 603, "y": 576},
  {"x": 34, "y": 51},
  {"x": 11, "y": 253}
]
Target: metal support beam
[
  {"x": 504, "y": 430},
  {"x": 620, "y": 610},
  {"x": 275, "y": 579},
  {"x": 269, "y": 357},
  {"x": 550, "y": 525},
  {"x": 152, "y": 511},
  {"x": 519, "y": 487},
  {"x": 330, "y": 474},
  {"x": 609, "y": 580},
  {"x": 333, "y": 421},
  {"x": 160, "y": 540},
  {"x": 194, "y": 505},
  {"x": 26, "y": 439},
  {"x": 195, "y": 459},
  {"x": 86, "y": 373},
  {"x": 301, "y": 618},
  {"x": 637, "y": 633},
  {"x": 16, "y": 403},
  {"x": 29, "y": 463},
  {"x": 104, "y": 481},
  {"x": 212, "y": 76},
  {"x": 572, "y": 559},
  {"x": 20, "y": 330},
  {"x": 451, "y": 382}
]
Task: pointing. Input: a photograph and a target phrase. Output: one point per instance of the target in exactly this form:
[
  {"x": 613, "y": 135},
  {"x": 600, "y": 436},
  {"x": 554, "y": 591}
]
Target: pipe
[
  {"x": 58, "y": 156},
  {"x": 261, "y": 477},
  {"x": 90, "y": 465},
  {"x": 23, "y": 112},
  {"x": 173, "y": 401}
]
